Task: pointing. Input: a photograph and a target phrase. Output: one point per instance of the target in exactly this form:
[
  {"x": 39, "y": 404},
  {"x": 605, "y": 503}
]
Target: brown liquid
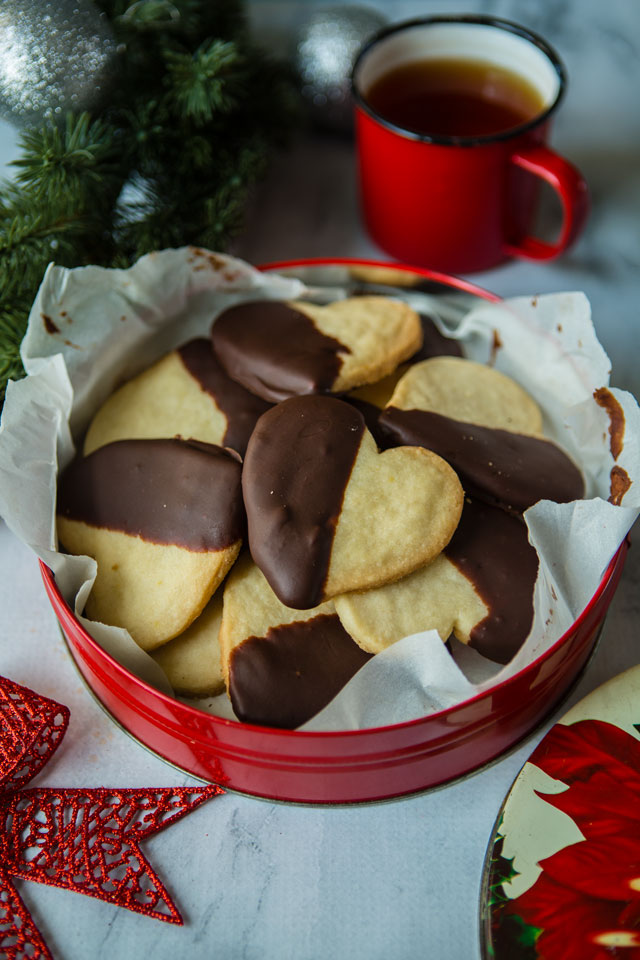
[{"x": 458, "y": 98}]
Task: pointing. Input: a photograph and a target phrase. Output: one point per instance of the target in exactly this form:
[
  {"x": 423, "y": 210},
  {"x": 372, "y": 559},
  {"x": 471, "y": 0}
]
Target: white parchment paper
[{"x": 91, "y": 328}]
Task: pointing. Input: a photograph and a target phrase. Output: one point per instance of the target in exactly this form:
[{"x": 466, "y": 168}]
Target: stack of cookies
[{"x": 272, "y": 506}]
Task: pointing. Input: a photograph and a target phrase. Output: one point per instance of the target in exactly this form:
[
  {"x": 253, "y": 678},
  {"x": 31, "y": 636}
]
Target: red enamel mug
[{"x": 463, "y": 202}]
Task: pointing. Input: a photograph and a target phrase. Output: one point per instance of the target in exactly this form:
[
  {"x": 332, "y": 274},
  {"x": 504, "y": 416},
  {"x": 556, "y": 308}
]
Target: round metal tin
[{"x": 346, "y": 766}]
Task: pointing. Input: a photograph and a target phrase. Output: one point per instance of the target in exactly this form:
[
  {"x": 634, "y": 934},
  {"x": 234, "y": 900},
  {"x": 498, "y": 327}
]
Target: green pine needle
[
  {"x": 206, "y": 82},
  {"x": 74, "y": 158},
  {"x": 154, "y": 14},
  {"x": 13, "y": 323},
  {"x": 33, "y": 233}
]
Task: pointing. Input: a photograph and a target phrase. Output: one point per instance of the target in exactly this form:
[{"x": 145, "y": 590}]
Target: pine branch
[
  {"x": 211, "y": 80},
  {"x": 74, "y": 158},
  {"x": 34, "y": 233},
  {"x": 193, "y": 115},
  {"x": 152, "y": 216},
  {"x": 151, "y": 14},
  {"x": 13, "y": 323},
  {"x": 190, "y": 20}
]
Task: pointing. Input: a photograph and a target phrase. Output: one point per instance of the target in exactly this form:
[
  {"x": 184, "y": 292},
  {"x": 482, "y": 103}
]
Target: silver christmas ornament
[
  {"x": 326, "y": 46},
  {"x": 55, "y": 56}
]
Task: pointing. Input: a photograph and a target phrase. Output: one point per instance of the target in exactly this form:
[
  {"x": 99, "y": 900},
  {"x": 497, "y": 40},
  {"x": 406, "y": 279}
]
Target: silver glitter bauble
[
  {"x": 54, "y": 57},
  {"x": 325, "y": 49}
]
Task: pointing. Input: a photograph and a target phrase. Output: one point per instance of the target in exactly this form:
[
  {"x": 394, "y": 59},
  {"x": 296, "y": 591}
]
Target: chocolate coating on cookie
[
  {"x": 371, "y": 415},
  {"x": 491, "y": 548},
  {"x": 497, "y": 465},
  {"x": 186, "y": 493},
  {"x": 240, "y": 407},
  {"x": 434, "y": 343},
  {"x": 284, "y": 678},
  {"x": 276, "y": 351},
  {"x": 297, "y": 467}
]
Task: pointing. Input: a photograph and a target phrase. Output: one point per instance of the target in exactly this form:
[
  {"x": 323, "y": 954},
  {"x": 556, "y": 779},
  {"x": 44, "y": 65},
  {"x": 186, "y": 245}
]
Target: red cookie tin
[{"x": 346, "y": 766}]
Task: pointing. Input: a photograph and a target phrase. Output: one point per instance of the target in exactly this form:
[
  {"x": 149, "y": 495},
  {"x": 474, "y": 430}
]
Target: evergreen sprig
[
  {"x": 35, "y": 228},
  {"x": 80, "y": 154},
  {"x": 212, "y": 80},
  {"x": 12, "y": 322},
  {"x": 192, "y": 116}
]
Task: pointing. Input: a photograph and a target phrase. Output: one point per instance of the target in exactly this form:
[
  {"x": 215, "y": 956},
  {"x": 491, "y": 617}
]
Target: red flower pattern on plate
[{"x": 586, "y": 901}]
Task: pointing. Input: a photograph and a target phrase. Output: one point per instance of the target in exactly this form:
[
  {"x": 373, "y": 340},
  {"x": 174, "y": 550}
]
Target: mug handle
[{"x": 570, "y": 186}]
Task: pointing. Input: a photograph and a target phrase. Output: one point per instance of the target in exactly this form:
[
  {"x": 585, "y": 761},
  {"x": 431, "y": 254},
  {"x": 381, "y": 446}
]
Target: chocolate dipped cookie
[
  {"x": 164, "y": 521},
  {"x": 480, "y": 589},
  {"x": 372, "y": 398},
  {"x": 281, "y": 666},
  {"x": 487, "y": 427},
  {"x": 185, "y": 394},
  {"x": 279, "y": 350},
  {"x": 327, "y": 513}
]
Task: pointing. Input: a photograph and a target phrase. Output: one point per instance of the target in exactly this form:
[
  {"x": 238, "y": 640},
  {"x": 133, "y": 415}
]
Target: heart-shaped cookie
[
  {"x": 461, "y": 389},
  {"x": 434, "y": 344},
  {"x": 281, "y": 666},
  {"x": 279, "y": 350},
  {"x": 185, "y": 394},
  {"x": 191, "y": 660},
  {"x": 435, "y": 597},
  {"x": 486, "y": 426},
  {"x": 164, "y": 521},
  {"x": 480, "y": 589},
  {"x": 327, "y": 513},
  {"x": 373, "y": 397}
]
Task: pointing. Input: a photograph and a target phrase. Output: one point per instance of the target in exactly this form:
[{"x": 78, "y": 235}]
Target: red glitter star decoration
[{"x": 86, "y": 840}]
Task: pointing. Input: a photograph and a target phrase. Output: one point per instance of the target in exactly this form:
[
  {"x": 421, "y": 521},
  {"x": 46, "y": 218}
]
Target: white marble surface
[{"x": 397, "y": 881}]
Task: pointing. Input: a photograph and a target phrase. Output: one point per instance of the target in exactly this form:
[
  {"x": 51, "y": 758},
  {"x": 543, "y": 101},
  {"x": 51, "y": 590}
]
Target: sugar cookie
[
  {"x": 191, "y": 660},
  {"x": 480, "y": 589},
  {"x": 185, "y": 394},
  {"x": 281, "y": 666},
  {"x": 327, "y": 513},
  {"x": 487, "y": 427},
  {"x": 279, "y": 350},
  {"x": 373, "y": 397},
  {"x": 163, "y": 519}
]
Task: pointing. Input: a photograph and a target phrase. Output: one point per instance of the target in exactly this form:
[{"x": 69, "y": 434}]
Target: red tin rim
[
  {"x": 48, "y": 577},
  {"x": 447, "y": 280}
]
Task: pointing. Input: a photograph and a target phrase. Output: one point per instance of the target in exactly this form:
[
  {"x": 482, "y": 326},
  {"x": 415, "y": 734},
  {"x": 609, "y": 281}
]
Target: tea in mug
[{"x": 454, "y": 98}]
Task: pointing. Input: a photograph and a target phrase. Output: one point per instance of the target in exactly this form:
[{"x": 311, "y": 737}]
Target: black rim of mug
[{"x": 462, "y": 141}]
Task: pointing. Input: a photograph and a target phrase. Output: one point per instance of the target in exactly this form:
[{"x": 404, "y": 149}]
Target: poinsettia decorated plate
[{"x": 562, "y": 875}]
